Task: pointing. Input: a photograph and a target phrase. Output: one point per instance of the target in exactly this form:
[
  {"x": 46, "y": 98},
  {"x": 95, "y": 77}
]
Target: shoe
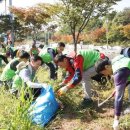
[
  {"x": 86, "y": 102},
  {"x": 116, "y": 125}
]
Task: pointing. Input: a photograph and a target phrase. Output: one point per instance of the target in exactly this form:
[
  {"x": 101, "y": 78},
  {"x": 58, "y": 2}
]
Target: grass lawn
[{"x": 13, "y": 115}]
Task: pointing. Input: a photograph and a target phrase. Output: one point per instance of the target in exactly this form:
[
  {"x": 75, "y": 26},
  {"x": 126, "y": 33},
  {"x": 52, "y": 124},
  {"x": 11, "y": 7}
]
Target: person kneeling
[{"x": 25, "y": 78}]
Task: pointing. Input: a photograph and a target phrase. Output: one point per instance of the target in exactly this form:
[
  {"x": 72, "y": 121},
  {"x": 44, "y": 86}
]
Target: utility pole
[
  {"x": 5, "y": 8},
  {"x": 11, "y": 21}
]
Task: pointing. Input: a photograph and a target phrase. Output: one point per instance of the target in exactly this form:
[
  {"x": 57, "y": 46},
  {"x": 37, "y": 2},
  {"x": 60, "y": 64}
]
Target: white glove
[
  {"x": 62, "y": 90},
  {"x": 116, "y": 125},
  {"x": 34, "y": 85},
  {"x": 44, "y": 85}
]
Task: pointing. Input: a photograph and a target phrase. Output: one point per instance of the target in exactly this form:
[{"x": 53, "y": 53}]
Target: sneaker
[
  {"x": 116, "y": 125},
  {"x": 87, "y": 102}
]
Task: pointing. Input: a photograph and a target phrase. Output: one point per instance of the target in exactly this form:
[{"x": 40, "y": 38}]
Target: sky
[
  {"x": 24, "y": 3},
  {"x": 27, "y": 3},
  {"x": 121, "y": 5}
]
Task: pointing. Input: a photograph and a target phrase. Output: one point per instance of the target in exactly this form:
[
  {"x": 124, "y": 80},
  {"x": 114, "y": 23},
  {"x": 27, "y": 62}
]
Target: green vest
[
  {"x": 120, "y": 62},
  {"x": 90, "y": 57},
  {"x": 18, "y": 82},
  {"x": 8, "y": 73},
  {"x": 35, "y": 52},
  {"x": 46, "y": 57},
  {"x": 2, "y": 51}
]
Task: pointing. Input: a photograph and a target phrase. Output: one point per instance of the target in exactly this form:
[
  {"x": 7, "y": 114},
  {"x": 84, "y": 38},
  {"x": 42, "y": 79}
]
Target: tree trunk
[{"x": 74, "y": 42}]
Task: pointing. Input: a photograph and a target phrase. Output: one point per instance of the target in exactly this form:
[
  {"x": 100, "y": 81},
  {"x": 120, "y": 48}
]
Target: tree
[
  {"x": 32, "y": 17},
  {"x": 5, "y": 25},
  {"x": 77, "y": 14},
  {"x": 118, "y": 29},
  {"x": 123, "y": 18},
  {"x": 116, "y": 34},
  {"x": 126, "y": 30},
  {"x": 97, "y": 35}
]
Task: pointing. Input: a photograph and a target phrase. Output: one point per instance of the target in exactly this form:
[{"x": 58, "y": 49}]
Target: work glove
[
  {"x": 116, "y": 125},
  {"x": 62, "y": 90}
]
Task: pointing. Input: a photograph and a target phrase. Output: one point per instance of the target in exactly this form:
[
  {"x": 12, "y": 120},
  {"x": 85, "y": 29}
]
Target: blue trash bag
[{"x": 44, "y": 107}]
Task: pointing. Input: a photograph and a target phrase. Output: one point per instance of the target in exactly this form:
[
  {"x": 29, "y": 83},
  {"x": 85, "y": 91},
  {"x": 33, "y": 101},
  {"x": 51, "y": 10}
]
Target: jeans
[{"x": 120, "y": 80}]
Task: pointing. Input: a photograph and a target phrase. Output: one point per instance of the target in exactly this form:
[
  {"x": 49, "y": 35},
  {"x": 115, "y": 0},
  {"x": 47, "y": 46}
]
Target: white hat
[{"x": 21, "y": 65}]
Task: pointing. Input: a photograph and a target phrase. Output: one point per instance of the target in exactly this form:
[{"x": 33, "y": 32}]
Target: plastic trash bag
[{"x": 44, "y": 107}]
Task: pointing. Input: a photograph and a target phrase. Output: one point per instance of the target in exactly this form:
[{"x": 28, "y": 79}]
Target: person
[
  {"x": 19, "y": 51},
  {"x": 48, "y": 57},
  {"x": 34, "y": 50},
  {"x": 5, "y": 39},
  {"x": 26, "y": 74},
  {"x": 10, "y": 43},
  {"x": 81, "y": 44},
  {"x": 3, "y": 54},
  {"x": 80, "y": 68},
  {"x": 3, "y": 48},
  {"x": 40, "y": 47},
  {"x": 10, "y": 69},
  {"x": 119, "y": 67},
  {"x": 13, "y": 52},
  {"x": 4, "y": 58},
  {"x": 100, "y": 78}
]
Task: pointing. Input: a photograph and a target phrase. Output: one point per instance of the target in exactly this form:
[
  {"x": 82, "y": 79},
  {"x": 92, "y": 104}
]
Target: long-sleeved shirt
[
  {"x": 74, "y": 69},
  {"x": 27, "y": 75},
  {"x": 79, "y": 63}
]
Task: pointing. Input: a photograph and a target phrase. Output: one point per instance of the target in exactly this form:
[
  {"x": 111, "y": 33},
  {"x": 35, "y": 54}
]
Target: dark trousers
[
  {"x": 120, "y": 80},
  {"x": 4, "y": 58},
  {"x": 35, "y": 92},
  {"x": 53, "y": 70}
]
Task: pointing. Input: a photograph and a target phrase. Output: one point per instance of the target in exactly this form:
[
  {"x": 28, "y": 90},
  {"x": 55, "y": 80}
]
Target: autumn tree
[
  {"x": 126, "y": 31},
  {"x": 123, "y": 17},
  {"x": 32, "y": 17},
  {"x": 118, "y": 26},
  {"x": 76, "y": 14},
  {"x": 97, "y": 35}
]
